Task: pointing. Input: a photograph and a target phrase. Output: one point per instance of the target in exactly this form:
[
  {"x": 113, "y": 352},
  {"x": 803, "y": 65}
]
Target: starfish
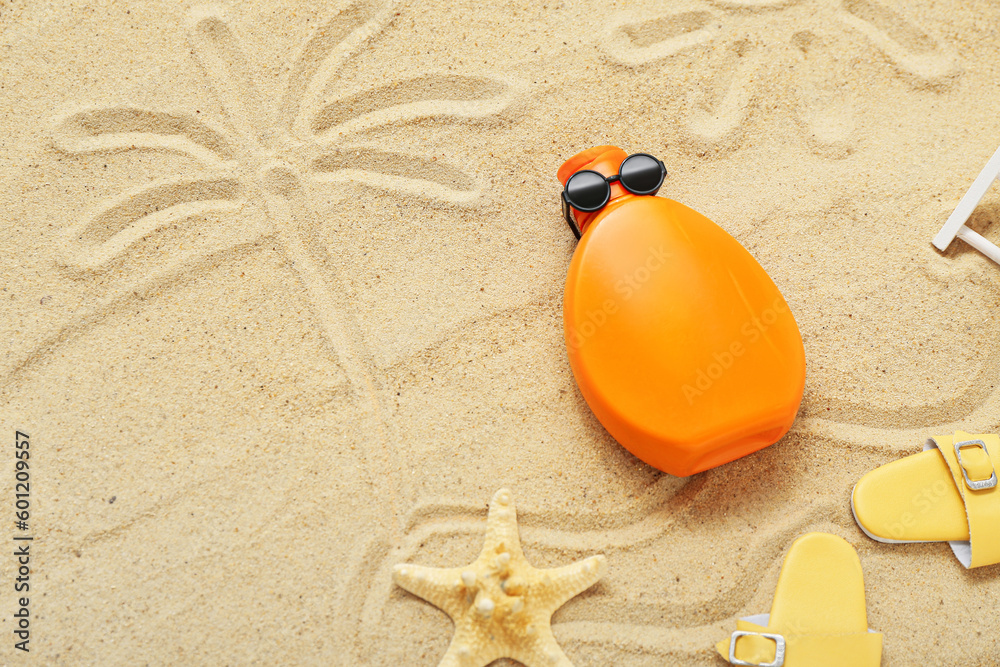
[{"x": 501, "y": 605}]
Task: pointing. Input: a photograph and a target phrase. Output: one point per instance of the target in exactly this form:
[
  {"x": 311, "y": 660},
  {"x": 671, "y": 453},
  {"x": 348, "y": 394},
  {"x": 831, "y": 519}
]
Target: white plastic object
[{"x": 955, "y": 226}]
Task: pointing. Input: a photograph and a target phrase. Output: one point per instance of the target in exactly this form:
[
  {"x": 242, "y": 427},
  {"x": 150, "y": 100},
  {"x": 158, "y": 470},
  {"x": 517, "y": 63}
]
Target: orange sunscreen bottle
[{"x": 679, "y": 341}]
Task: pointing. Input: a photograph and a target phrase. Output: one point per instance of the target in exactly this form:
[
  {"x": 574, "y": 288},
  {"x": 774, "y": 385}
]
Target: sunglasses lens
[
  {"x": 587, "y": 191},
  {"x": 641, "y": 174}
]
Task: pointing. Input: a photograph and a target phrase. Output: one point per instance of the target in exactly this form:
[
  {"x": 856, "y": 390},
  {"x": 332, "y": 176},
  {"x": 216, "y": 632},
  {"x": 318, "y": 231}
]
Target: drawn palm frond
[
  {"x": 445, "y": 96},
  {"x": 216, "y": 48},
  {"x": 439, "y": 96},
  {"x": 111, "y": 228},
  {"x": 120, "y": 222},
  {"x": 322, "y": 55},
  {"x": 122, "y": 128}
]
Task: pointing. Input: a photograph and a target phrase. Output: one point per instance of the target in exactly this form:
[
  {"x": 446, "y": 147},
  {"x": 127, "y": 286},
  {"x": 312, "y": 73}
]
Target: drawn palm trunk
[{"x": 268, "y": 164}]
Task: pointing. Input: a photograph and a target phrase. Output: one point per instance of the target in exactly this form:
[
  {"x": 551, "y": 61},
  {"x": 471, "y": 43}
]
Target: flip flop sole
[
  {"x": 818, "y": 617},
  {"x": 913, "y": 499},
  {"x": 821, "y": 588}
]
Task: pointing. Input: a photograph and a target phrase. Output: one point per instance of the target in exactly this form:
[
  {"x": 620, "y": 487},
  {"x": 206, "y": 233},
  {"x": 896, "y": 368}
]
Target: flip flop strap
[
  {"x": 859, "y": 649},
  {"x": 982, "y": 505}
]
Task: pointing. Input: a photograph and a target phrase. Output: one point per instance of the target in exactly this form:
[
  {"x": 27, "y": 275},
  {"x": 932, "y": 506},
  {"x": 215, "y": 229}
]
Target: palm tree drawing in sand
[
  {"x": 261, "y": 165},
  {"x": 804, "y": 40}
]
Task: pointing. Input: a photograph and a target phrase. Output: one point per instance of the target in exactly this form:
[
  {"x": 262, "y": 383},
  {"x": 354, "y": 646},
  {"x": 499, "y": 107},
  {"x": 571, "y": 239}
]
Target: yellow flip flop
[
  {"x": 818, "y": 616},
  {"x": 946, "y": 493}
]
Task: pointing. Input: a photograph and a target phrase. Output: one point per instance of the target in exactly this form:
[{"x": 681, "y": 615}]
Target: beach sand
[{"x": 282, "y": 295}]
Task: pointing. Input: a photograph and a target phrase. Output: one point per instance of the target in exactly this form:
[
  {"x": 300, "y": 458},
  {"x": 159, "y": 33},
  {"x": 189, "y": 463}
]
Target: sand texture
[{"x": 281, "y": 309}]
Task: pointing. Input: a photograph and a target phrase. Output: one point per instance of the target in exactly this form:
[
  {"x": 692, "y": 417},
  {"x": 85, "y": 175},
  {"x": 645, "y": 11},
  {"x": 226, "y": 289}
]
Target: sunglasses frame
[{"x": 569, "y": 208}]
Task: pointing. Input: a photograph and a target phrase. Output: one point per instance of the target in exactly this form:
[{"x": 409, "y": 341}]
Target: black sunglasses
[{"x": 588, "y": 190}]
